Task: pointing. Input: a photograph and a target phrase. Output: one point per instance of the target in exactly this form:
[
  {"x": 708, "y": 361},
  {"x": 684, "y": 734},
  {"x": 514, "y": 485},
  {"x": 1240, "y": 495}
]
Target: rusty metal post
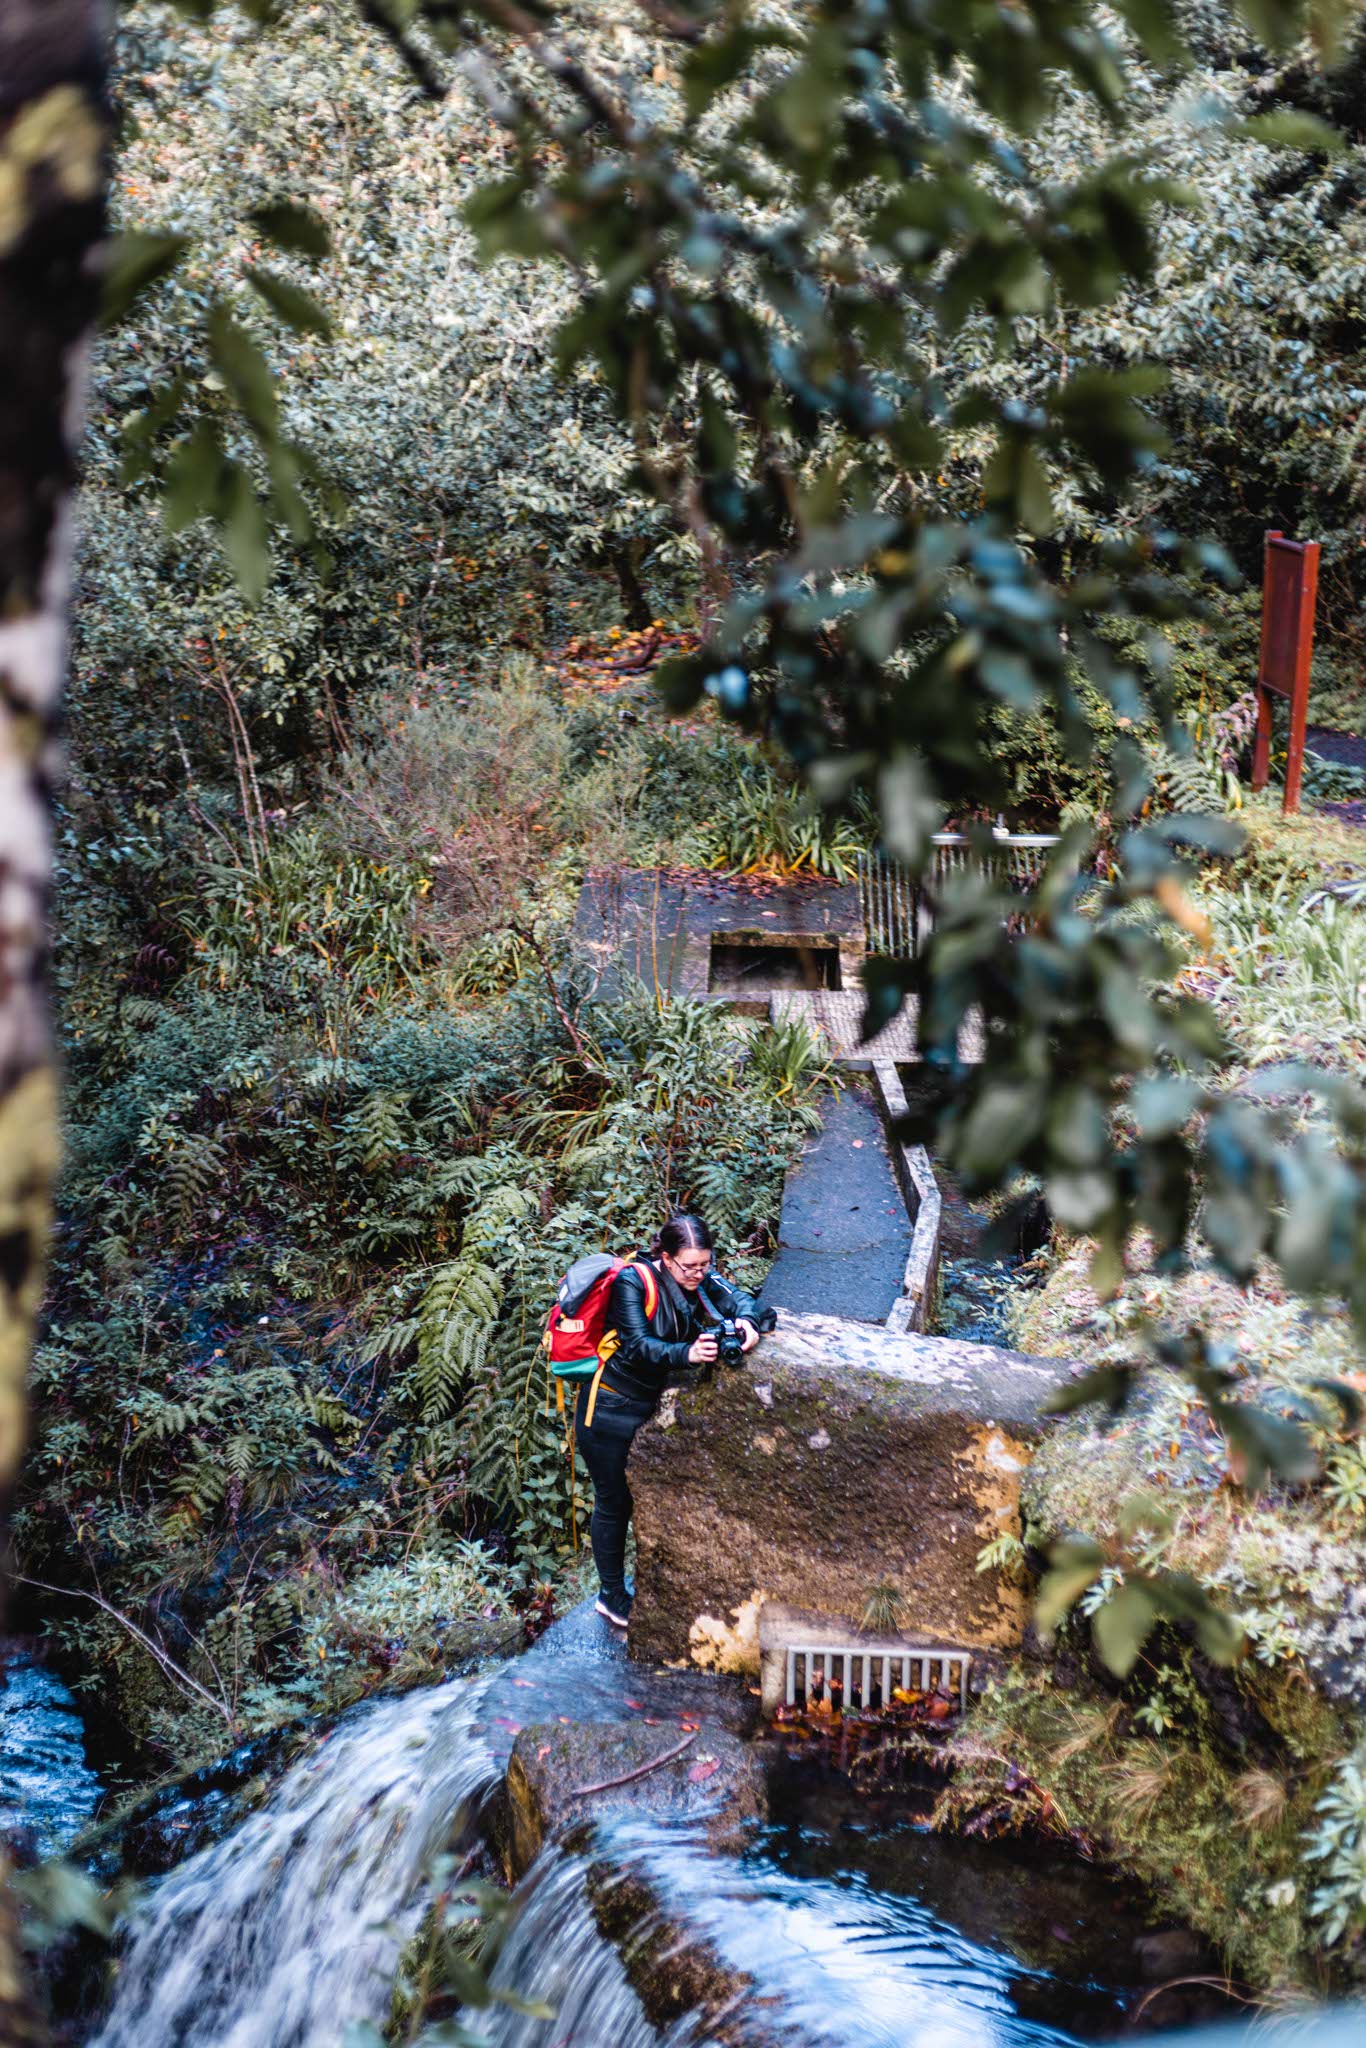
[{"x": 1290, "y": 582}]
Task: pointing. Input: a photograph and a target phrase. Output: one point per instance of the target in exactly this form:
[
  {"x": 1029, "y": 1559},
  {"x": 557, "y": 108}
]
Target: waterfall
[
  {"x": 292, "y": 1925},
  {"x": 555, "y": 1954}
]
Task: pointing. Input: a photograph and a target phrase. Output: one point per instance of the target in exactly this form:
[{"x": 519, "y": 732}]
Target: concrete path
[
  {"x": 1348, "y": 749},
  {"x": 845, "y": 1234}
]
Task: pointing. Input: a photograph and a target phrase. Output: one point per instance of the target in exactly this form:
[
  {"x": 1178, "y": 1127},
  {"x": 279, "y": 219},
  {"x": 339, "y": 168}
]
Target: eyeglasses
[{"x": 698, "y": 1266}]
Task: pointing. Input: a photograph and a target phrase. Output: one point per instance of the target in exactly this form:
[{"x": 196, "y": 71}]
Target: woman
[{"x": 642, "y": 1354}]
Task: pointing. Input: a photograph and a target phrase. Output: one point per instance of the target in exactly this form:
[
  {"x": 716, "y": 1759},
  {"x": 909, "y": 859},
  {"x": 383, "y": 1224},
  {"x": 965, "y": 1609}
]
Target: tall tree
[{"x": 53, "y": 140}]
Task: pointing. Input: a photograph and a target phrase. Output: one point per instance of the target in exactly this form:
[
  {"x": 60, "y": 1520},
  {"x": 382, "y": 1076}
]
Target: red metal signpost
[{"x": 1289, "y": 587}]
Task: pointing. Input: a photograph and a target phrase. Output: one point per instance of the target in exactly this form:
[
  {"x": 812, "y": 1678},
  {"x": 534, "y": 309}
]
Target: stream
[{"x": 851, "y": 1919}]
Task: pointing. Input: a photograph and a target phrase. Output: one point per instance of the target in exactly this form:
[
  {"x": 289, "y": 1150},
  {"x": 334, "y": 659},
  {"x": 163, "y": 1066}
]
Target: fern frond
[{"x": 454, "y": 1320}]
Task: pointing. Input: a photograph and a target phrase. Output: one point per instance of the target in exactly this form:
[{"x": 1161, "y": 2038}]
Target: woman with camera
[{"x": 662, "y": 1317}]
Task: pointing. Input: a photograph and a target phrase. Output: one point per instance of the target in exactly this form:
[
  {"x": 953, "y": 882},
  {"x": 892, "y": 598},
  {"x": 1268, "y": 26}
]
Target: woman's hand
[
  {"x": 702, "y": 1350},
  {"x": 751, "y": 1334}
]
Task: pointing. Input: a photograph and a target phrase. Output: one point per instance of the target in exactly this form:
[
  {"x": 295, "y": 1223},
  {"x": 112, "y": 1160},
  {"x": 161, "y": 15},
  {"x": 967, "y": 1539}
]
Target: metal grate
[
  {"x": 860, "y": 1674},
  {"x": 889, "y": 898},
  {"x": 889, "y": 893},
  {"x": 1019, "y": 855}
]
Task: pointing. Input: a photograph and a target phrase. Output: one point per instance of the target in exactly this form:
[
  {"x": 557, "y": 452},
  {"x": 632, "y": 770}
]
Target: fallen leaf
[
  {"x": 528, "y": 1683},
  {"x": 685, "y": 1722},
  {"x": 501, "y": 1721},
  {"x": 543, "y": 1752},
  {"x": 858, "y": 1144},
  {"x": 707, "y": 1768},
  {"x": 635, "y": 1703}
]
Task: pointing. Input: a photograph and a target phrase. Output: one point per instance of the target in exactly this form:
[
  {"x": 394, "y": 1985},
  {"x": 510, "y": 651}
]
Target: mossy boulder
[
  {"x": 714, "y": 1786},
  {"x": 843, "y": 1458},
  {"x": 715, "y": 1780}
]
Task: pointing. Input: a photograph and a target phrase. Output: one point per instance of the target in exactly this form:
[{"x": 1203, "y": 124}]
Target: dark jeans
[{"x": 606, "y": 1447}]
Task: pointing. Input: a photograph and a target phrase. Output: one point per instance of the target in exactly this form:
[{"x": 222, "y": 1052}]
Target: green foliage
[
  {"x": 1288, "y": 975},
  {"x": 1337, "y": 1843},
  {"x": 884, "y": 1609},
  {"x": 450, "y": 1960},
  {"x": 1217, "y": 1839},
  {"x": 314, "y": 911},
  {"x": 882, "y": 634},
  {"x": 789, "y": 1061},
  {"x": 858, "y": 317},
  {"x": 766, "y": 827}
]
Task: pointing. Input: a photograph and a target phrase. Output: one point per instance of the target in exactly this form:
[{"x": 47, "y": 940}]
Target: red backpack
[{"x": 577, "y": 1324}]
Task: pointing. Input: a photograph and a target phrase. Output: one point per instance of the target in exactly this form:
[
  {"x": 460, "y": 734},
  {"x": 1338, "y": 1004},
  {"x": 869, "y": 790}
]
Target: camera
[{"x": 730, "y": 1342}]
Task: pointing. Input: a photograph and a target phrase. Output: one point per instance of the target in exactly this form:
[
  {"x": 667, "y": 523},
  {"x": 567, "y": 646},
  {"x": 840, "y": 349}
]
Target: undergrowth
[{"x": 345, "y": 1112}]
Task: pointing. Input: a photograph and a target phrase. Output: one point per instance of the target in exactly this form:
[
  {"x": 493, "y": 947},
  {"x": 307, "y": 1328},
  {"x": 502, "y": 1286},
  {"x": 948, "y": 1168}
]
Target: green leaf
[
  {"x": 1183, "y": 1599},
  {"x": 1268, "y": 1443},
  {"x": 1154, "y": 24},
  {"x": 140, "y": 430},
  {"x": 1164, "y": 1105},
  {"x": 293, "y": 227},
  {"x": 717, "y": 63},
  {"x": 1111, "y": 1384},
  {"x": 1290, "y": 128},
  {"x": 246, "y": 537},
  {"x": 680, "y": 680},
  {"x": 244, "y": 370},
  {"x": 296, "y": 307},
  {"x": 1074, "y": 1566},
  {"x": 134, "y": 260},
  {"x": 193, "y": 477},
  {"x": 1122, "y": 1625},
  {"x": 911, "y": 812},
  {"x": 1347, "y": 1397}
]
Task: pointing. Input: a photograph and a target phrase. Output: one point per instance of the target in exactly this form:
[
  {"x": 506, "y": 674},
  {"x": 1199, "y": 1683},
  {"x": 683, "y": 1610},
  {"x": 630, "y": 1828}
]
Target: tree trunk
[{"x": 53, "y": 142}]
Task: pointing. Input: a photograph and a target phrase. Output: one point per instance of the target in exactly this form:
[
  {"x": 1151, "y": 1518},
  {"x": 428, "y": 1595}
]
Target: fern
[
  {"x": 193, "y": 1167},
  {"x": 375, "y": 1132},
  {"x": 1195, "y": 780},
  {"x": 454, "y": 1323}
]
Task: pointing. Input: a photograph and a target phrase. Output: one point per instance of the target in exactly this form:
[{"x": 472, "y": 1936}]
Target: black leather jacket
[{"x": 652, "y": 1353}]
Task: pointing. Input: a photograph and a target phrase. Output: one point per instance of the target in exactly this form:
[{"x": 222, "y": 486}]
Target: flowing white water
[
  {"x": 291, "y": 1927},
  {"x": 555, "y": 1954}
]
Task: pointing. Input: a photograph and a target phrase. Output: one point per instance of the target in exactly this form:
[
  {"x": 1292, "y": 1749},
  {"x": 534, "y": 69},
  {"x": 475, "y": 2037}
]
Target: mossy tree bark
[{"x": 53, "y": 141}]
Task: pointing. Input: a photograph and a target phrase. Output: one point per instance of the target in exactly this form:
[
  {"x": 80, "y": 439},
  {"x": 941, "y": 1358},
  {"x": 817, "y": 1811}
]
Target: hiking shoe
[{"x": 618, "y": 1612}]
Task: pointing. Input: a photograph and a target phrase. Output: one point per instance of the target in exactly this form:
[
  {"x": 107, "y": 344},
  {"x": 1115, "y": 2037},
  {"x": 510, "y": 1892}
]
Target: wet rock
[
  {"x": 715, "y": 1787},
  {"x": 1170, "y": 1952},
  {"x": 178, "y": 1820},
  {"x": 716, "y": 1782},
  {"x": 48, "y": 1792},
  {"x": 873, "y": 1459}
]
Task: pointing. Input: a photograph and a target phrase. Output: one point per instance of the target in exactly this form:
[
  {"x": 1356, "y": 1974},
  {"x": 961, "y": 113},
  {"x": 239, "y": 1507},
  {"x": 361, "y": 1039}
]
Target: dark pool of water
[
  {"x": 1001, "y": 1941},
  {"x": 869, "y": 1928}
]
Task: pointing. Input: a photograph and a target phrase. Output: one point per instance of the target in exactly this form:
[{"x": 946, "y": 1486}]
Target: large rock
[
  {"x": 842, "y": 1458},
  {"x": 571, "y": 1783},
  {"x": 561, "y": 1776}
]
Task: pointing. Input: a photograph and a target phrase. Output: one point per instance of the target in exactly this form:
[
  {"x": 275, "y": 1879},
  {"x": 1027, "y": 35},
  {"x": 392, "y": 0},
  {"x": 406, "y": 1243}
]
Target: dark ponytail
[{"x": 678, "y": 1234}]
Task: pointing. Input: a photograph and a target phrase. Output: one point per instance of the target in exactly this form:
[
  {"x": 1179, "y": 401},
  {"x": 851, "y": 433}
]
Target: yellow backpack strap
[
  {"x": 650, "y": 1284},
  {"x": 593, "y": 1395}
]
